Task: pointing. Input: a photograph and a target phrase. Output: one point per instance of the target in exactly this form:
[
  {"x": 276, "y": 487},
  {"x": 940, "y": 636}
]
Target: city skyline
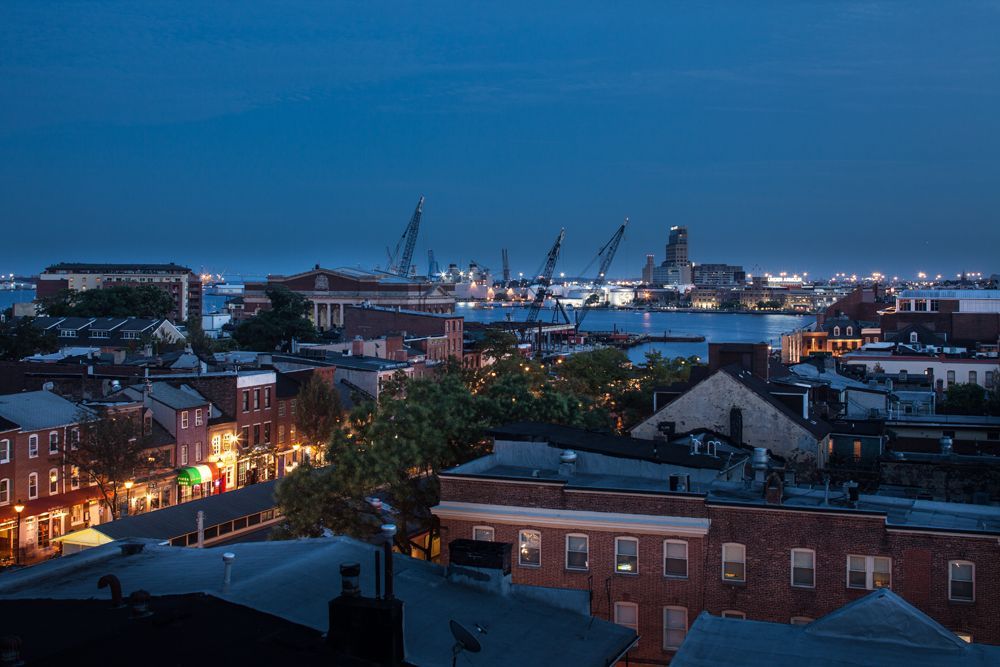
[{"x": 758, "y": 128}]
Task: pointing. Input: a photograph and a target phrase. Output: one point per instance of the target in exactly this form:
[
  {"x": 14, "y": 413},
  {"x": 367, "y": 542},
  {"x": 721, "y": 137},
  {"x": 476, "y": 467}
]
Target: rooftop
[
  {"x": 175, "y": 398},
  {"x": 405, "y": 311},
  {"x": 35, "y": 410},
  {"x": 117, "y": 268},
  {"x": 949, "y": 294}
]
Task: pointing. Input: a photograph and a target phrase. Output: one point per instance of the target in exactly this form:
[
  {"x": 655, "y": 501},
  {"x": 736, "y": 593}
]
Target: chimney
[
  {"x": 358, "y": 346},
  {"x": 759, "y": 464},
  {"x": 852, "y": 493},
  {"x": 774, "y": 489},
  {"x": 364, "y": 630},
  {"x": 567, "y": 463},
  {"x": 480, "y": 564}
]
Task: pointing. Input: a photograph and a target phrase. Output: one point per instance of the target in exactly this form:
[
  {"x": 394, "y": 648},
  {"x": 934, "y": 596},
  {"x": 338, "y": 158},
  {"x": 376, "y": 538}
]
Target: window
[
  {"x": 267, "y": 397},
  {"x": 675, "y": 625},
  {"x": 256, "y": 399},
  {"x": 74, "y": 439},
  {"x": 216, "y": 444},
  {"x": 850, "y": 331},
  {"x": 4, "y": 491},
  {"x": 32, "y": 446},
  {"x": 914, "y": 337},
  {"x": 74, "y": 479},
  {"x": 626, "y": 555},
  {"x": 989, "y": 379},
  {"x": 857, "y": 449},
  {"x": 281, "y": 434},
  {"x": 197, "y": 417},
  {"x": 869, "y": 572},
  {"x": 675, "y": 559},
  {"x": 732, "y": 613},
  {"x": 267, "y": 433},
  {"x": 53, "y": 482},
  {"x": 184, "y": 455},
  {"x": 32, "y": 486},
  {"x": 836, "y": 331},
  {"x": 246, "y": 400},
  {"x": 903, "y": 375},
  {"x": 256, "y": 434},
  {"x": 482, "y": 533},
  {"x": 54, "y": 442},
  {"x": 245, "y": 435},
  {"x": 951, "y": 377},
  {"x": 197, "y": 452},
  {"x": 627, "y": 614},
  {"x": 803, "y": 568},
  {"x": 184, "y": 419},
  {"x": 281, "y": 408},
  {"x": 961, "y": 580},
  {"x": 577, "y": 552},
  {"x": 529, "y": 552},
  {"x": 973, "y": 377},
  {"x": 734, "y": 562},
  {"x": 801, "y": 620},
  {"x": 4, "y": 451}
]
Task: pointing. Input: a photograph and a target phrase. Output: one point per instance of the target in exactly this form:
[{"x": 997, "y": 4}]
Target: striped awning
[{"x": 195, "y": 475}]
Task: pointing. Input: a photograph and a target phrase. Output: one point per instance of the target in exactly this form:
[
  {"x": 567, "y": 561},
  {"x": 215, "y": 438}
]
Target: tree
[
  {"x": 20, "y": 338},
  {"x": 117, "y": 301},
  {"x": 287, "y": 319},
  {"x": 318, "y": 411},
  {"x": 200, "y": 343},
  {"x": 111, "y": 449}
]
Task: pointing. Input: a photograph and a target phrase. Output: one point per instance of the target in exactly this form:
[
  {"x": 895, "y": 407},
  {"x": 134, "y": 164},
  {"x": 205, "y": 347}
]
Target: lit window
[
  {"x": 74, "y": 479},
  {"x": 801, "y": 620},
  {"x": 529, "y": 552},
  {"x": 675, "y": 621},
  {"x": 53, "y": 482},
  {"x": 482, "y": 533},
  {"x": 32, "y": 446},
  {"x": 869, "y": 572},
  {"x": 627, "y": 614},
  {"x": 216, "y": 444},
  {"x": 675, "y": 559},
  {"x": 803, "y": 568},
  {"x": 732, "y": 613},
  {"x": 627, "y": 555},
  {"x": 961, "y": 580},
  {"x": 734, "y": 562},
  {"x": 577, "y": 552}
]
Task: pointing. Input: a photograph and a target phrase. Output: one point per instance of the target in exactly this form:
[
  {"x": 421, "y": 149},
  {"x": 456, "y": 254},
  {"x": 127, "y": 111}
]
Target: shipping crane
[
  {"x": 506, "y": 267},
  {"x": 545, "y": 278},
  {"x": 401, "y": 263},
  {"x": 606, "y": 255}
]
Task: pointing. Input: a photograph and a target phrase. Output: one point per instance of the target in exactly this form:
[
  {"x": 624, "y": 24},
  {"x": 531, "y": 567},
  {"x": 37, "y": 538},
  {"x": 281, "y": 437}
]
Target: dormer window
[
  {"x": 98, "y": 333},
  {"x": 850, "y": 331},
  {"x": 914, "y": 337},
  {"x": 836, "y": 331},
  {"x": 67, "y": 333}
]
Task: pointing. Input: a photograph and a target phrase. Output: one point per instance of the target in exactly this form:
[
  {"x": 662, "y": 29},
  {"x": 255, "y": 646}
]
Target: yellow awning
[{"x": 88, "y": 537}]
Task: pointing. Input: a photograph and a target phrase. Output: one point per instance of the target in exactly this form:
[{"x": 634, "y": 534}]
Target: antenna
[{"x": 464, "y": 641}]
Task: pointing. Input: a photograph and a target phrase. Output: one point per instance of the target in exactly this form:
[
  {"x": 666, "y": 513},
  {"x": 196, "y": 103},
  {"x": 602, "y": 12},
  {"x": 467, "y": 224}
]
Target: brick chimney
[
  {"x": 364, "y": 630},
  {"x": 358, "y": 346},
  {"x": 774, "y": 489},
  {"x": 480, "y": 564}
]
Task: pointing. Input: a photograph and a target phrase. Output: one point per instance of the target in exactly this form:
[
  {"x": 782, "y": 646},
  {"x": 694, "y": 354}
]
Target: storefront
[{"x": 199, "y": 481}]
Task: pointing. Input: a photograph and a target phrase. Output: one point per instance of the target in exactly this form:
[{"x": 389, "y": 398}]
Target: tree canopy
[
  {"x": 20, "y": 338},
  {"x": 287, "y": 319},
  {"x": 318, "y": 410},
  {"x": 971, "y": 399},
  {"x": 117, "y": 301}
]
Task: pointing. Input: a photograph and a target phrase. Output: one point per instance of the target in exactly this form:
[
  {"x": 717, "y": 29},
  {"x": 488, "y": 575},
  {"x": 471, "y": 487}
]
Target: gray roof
[
  {"x": 831, "y": 378},
  {"x": 175, "y": 398},
  {"x": 879, "y": 629},
  {"x": 36, "y": 410},
  {"x": 949, "y": 294},
  {"x": 359, "y": 363},
  {"x": 295, "y": 580},
  {"x": 945, "y": 420},
  {"x": 171, "y": 522}
]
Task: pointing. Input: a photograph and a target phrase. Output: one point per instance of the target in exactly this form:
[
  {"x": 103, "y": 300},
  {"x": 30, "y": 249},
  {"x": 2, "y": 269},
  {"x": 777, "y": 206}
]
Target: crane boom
[
  {"x": 402, "y": 263},
  {"x": 607, "y": 255},
  {"x": 545, "y": 277}
]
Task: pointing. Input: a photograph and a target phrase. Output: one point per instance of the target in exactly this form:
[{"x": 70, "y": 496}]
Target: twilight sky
[{"x": 254, "y": 137}]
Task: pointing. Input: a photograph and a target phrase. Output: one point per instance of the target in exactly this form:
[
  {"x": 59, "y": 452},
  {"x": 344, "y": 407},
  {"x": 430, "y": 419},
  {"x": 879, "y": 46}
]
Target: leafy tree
[
  {"x": 598, "y": 372},
  {"x": 20, "y": 338},
  {"x": 111, "y": 449},
  {"x": 970, "y": 399},
  {"x": 196, "y": 337},
  {"x": 287, "y": 319},
  {"x": 117, "y": 301},
  {"x": 318, "y": 410}
]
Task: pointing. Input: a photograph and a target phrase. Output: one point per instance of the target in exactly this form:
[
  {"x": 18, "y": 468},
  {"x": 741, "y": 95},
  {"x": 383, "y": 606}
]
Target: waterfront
[{"x": 715, "y": 327}]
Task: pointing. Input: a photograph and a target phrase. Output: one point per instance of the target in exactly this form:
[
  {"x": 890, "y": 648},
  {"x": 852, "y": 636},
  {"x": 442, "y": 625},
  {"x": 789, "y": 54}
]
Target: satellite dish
[{"x": 464, "y": 641}]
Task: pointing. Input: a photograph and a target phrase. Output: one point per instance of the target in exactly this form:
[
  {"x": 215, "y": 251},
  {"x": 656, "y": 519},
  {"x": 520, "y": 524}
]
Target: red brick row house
[{"x": 657, "y": 535}]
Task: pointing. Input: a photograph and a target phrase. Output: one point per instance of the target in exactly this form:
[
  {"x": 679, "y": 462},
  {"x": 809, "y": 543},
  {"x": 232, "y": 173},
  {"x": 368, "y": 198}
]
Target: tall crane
[
  {"x": 402, "y": 263},
  {"x": 606, "y": 255},
  {"x": 506, "y": 267},
  {"x": 545, "y": 278}
]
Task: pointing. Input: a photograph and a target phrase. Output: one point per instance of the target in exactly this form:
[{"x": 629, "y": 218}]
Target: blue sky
[{"x": 254, "y": 137}]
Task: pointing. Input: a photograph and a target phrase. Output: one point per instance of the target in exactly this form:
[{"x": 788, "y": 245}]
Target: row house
[
  {"x": 51, "y": 495},
  {"x": 656, "y": 542}
]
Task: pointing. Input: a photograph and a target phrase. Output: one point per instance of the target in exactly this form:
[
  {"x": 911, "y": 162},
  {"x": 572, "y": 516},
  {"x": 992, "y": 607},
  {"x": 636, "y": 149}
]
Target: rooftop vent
[{"x": 946, "y": 445}]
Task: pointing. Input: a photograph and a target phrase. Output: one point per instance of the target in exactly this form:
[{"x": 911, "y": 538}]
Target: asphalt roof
[
  {"x": 880, "y": 629},
  {"x": 170, "y": 522},
  {"x": 112, "y": 268},
  {"x": 35, "y": 410},
  {"x": 295, "y": 580},
  {"x": 817, "y": 427},
  {"x": 175, "y": 398}
]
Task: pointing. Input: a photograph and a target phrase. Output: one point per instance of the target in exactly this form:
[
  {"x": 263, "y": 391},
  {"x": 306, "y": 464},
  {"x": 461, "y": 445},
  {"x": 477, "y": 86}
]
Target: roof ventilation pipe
[
  {"x": 946, "y": 445},
  {"x": 759, "y": 464},
  {"x": 567, "y": 463}
]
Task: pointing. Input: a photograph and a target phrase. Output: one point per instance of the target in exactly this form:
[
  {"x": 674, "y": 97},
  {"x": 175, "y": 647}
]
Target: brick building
[
  {"x": 374, "y": 322},
  {"x": 178, "y": 281},
  {"x": 612, "y": 520},
  {"x": 962, "y": 316}
]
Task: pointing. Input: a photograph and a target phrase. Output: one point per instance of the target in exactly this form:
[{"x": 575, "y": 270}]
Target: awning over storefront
[{"x": 193, "y": 475}]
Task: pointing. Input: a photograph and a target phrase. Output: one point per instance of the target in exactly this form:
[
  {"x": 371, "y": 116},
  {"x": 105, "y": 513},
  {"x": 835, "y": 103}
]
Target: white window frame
[
  {"x": 586, "y": 552},
  {"x": 53, "y": 440},
  {"x": 667, "y": 646},
  {"x": 869, "y": 572},
  {"x": 914, "y": 337},
  {"x": 33, "y": 446},
  {"x": 618, "y": 554},
  {"x": 74, "y": 477},
  {"x": 521, "y": 541},
  {"x": 184, "y": 455},
  {"x": 627, "y": 605},
  {"x": 733, "y": 613},
  {"x": 53, "y": 473},
  {"x": 836, "y": 331},
  {"x": 216, "y": 444},
  {"x": 33, "y": 481},
  {"x": 476, "y": 529},
  {"x": 5, "y": 491},
  {"x": 184, "y": 418},
  {"x": 951, "y": 579},
  {"x": 197, "y": 417},
  {"x": 5, "y": 450},
  {"x": 791, "y": 575},
  {"x": 686, "y": 559},
  {"x": 743, "y": 561}
]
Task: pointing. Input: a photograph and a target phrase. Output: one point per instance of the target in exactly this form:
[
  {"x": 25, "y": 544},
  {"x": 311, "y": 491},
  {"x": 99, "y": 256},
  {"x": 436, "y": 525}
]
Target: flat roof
[{"x": 949, "y": 294}]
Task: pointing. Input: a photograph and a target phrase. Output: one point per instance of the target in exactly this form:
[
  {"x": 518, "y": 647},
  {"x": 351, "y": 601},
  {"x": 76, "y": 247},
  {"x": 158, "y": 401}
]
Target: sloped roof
[
  {"x": 817, "y": 427},
  {"x": 175, "y": 398},
  {"x": 880, "y": 629},
  {"x": 35, "y": 410}
]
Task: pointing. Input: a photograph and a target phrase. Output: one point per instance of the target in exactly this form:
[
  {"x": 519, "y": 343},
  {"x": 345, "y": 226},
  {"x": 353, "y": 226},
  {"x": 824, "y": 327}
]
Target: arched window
[
  {"x": 914, "y": 337},
  {"x": 850, "y": 331},
  {"x": 836, "y": 331},
  {"x": 53, "y": 482}
]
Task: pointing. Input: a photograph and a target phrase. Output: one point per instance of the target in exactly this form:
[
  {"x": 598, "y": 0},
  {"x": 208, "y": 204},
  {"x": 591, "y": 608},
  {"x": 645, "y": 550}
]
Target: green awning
[{"x": 194, "y": 475}]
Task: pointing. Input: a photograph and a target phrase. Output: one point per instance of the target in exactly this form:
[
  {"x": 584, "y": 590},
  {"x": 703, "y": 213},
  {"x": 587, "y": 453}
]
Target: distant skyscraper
[
  {"x": 647, "y": 271},
  {"x": 677, "y": 247}
]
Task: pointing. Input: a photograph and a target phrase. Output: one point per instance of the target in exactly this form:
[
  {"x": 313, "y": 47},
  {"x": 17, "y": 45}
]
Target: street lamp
[
  {"x": 18, "y": 507},
  {"x": 128, "y": 497}
]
